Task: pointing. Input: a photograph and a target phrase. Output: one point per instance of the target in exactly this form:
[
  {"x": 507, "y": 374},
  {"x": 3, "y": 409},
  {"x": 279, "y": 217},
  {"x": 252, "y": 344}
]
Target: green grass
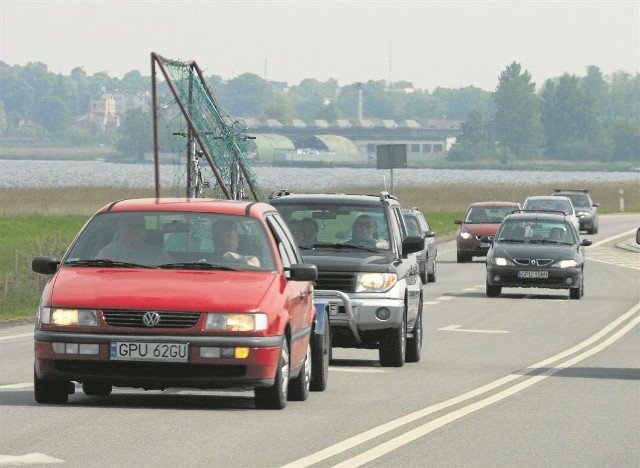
[{"x": 22, "y": 238}]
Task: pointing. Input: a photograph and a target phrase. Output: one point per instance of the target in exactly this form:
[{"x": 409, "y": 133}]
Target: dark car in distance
[
  {"x": 586, "y": 208},
  {"x": 536, "y": 250},
  {"x": 418, "y": 225},
  {"x": 481, "y": 219}
]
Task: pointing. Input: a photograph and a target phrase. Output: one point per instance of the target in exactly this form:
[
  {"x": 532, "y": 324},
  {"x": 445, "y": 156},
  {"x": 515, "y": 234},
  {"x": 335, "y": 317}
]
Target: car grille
[
  {"x": 133, "y": 318},
  {"x": 527, "y": 261},
  {"x": 341, "y": 281}
]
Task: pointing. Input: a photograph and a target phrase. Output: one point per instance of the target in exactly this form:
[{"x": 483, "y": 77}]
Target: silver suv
[{"x": 368, "y": 278}]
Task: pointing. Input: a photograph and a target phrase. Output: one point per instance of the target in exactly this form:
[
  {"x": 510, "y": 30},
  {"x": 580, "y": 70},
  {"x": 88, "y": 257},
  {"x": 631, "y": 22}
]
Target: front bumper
[
  {"x": 558, "y": 278},
  {"x": 361, "y": 313},
  {"x": 257, "y": 369}
]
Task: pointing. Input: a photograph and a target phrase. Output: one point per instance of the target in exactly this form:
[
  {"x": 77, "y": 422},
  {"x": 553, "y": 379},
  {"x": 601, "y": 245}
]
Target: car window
[
  {"x": 413, "y": 228},
  {"x": 336, "y": 222},
  {"x": 174, "y": 236},
  {"x": 532, "y": 230}
]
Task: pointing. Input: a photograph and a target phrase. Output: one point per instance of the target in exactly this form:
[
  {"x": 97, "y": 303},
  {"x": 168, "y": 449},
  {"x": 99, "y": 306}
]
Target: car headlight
[
  {"x": 375, "y": 282},
  {"x": 567, "y": 264},
  {"x": 500, "y": 261},
  {"x": 69, "y": 317},
  {"x": 465, "y": 235},
  {"x": 236, "y": 322}
]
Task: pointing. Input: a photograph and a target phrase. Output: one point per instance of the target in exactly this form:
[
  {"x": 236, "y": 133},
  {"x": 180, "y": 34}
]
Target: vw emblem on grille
[
  {"x": 151, "y": 319},
  {"x": 533, "y": 262}
]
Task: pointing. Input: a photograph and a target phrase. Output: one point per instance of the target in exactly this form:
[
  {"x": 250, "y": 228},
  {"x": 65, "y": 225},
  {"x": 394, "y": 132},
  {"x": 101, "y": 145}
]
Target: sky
[{"x": 449, "y": 44}]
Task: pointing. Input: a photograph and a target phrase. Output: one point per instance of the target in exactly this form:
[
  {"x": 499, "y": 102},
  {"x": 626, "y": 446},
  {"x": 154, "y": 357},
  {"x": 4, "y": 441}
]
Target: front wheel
[
  {"x": 414, "y": 344},
  {"x": 577, "y": 293},
  {"x": 320, "y": 357},
  {"x": 493, "y": 291},
  {"x": 51, "y": 391},
  {"x": 275, "y": 397},
  {"x": 431, "y": 277},
  {"x": 299, "y": 386},
  {"x": 393, "y": 346}
]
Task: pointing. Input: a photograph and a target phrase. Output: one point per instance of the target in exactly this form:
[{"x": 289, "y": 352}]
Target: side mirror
[
  {"x": 638, "y": 236},
  {"x": 457, "y": 221},
  {"x": 302, "y": 272},
  {"x": 412, "y": 244},
  {"x": 429, "y": 234},
  {"x": 44, "y": 265},
  {"x": 586, "y": 242}
]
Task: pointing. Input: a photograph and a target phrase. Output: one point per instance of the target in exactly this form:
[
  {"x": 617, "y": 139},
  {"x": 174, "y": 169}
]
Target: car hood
[
  {"x": 349, "y": 260},
  {"x": 104, "y": 288},
  {"x": 480, "y": 229},
  {"x": 518, "y": 250}
]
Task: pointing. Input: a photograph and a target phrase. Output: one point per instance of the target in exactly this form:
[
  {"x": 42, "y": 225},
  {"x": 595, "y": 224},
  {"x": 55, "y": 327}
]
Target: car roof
[
  {"x": 493, "y": 203},
  {"x": 205, "y": 205},
  {"x": 352, "y": 198},
  {"x": 547, "y": 197},
  {"x": 537, "y": 215}
]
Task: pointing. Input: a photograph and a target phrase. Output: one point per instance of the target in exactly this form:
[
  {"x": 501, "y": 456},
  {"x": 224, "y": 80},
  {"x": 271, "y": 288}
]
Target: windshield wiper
[
  {"x": 195, "y": 266},
  {"x": 103, "y": 262},
  {"x": 511, "y": 240},
  {"x": 346, "y": 246}
]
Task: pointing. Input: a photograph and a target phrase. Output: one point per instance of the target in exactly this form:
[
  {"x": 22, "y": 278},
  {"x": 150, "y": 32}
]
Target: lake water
[{"x": 15, "y": 173}]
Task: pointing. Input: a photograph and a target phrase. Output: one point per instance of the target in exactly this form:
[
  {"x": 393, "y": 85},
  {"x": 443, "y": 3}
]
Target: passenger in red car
[
  {"x": 131, "y": 244},
  {"x": 225, "y": 243}
]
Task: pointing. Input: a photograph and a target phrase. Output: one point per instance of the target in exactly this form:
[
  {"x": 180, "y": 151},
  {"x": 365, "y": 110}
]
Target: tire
[
  {"x": 577, "y": 293},
  {"x": 96, "y": 388},
  {"x": 299, "y": 386},
  {"x": 51, "y": 391},
  {"x": 275, "y": 397},
  {"x": 320, "y": 357},
  {"x": 431, "y": 277},
  {"x": 493, "y": 291},
  {"x": 393, "y": 346},
  {"x": 462, "y": 258},
  {"x": 414, "y": 344}
]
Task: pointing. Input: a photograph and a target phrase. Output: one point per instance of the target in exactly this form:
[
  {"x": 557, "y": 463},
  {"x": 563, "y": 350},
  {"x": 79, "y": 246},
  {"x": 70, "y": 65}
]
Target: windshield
[
  {"x": 172, "y": 240},
  {"x": 326, "y": 226},
  {"x": 534, "y": 230},
  {"x": 488, "y": 214}
]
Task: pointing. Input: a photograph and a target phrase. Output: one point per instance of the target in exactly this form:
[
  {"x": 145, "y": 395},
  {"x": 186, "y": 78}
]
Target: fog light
[
  {"x": 89, "y": 348},
  {"x": 242, "y": 353},
  {"x": 496, "y": 278},
  {"x": 227, "y": 352},
  {"x": 210, "y": 352},
  {"x": 383, "y": 313},
  {"x": 569, "y": 281}
]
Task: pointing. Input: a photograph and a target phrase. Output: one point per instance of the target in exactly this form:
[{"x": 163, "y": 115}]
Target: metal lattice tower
[{"x": 222, "y": 141}]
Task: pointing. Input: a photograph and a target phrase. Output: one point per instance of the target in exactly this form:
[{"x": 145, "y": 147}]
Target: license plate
[
  {"x": 533, "y": 274},
  {"x": 333, "y": 308},
  {"x": 145, "y": 351}
]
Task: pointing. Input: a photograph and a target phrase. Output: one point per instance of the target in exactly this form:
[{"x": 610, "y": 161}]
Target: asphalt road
[{"x": 530, "y": 378}]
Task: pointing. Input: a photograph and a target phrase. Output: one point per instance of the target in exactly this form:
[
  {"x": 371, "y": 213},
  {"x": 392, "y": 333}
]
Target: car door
[{"x": 299, "y": 293}]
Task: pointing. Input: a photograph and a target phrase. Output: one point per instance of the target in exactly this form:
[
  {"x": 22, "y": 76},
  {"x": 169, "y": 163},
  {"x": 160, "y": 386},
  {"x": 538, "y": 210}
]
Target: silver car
[{"x": 553, "y": 203}]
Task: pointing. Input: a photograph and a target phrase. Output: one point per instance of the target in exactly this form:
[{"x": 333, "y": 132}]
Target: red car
[
  {"x": 198, "y": 293},
  {"x": 481, "y": 219}
]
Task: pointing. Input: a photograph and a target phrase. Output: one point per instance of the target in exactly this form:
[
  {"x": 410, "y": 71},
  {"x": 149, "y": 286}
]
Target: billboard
[{"x": 391, "y": 156}]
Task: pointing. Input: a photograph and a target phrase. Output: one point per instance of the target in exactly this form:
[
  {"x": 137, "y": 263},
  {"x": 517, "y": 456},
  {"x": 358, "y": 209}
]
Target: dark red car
[
  {"x": 159, "y": 293},
  {"x": 481, "y": 219}
]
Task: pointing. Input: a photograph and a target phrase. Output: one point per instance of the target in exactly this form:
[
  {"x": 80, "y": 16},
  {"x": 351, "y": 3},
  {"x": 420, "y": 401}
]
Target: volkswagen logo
[{"x": 151, "y": 319}]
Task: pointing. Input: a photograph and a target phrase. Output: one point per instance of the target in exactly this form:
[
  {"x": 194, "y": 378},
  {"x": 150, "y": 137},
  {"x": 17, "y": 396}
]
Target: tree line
[{"x": 575, "y": 118}]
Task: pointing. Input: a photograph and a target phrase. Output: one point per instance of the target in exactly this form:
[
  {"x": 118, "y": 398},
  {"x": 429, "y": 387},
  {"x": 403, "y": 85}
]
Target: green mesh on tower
[{"x": 223, "y": 140}]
